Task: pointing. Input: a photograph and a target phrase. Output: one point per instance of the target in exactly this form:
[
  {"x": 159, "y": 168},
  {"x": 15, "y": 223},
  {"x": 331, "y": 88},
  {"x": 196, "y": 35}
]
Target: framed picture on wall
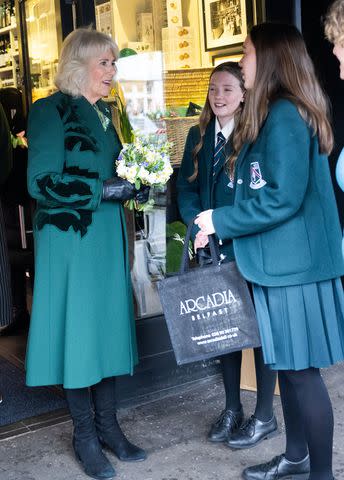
[
  {"x": 225, "y": 23},
  {"x": 226, "y": 57}
]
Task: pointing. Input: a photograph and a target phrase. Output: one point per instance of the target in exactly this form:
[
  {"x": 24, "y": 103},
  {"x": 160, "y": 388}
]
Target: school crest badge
[
  {"x": 230, "y": 184},
  {"x": 257, "y": 180}
]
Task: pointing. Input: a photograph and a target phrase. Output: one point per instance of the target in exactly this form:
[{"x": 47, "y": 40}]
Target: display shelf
[
  {"x": 9, "y": 44},
  {"x": 8, "y": 29},
  {"x": 7, "y": 82},
  {"x": 184, "y": 86},
  {"x": 43, "y": 34}
]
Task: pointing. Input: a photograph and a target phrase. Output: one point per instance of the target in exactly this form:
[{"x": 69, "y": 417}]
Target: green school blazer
[
  {"x": 206, "y": 190},
  {"x": 284, "y": 222}
]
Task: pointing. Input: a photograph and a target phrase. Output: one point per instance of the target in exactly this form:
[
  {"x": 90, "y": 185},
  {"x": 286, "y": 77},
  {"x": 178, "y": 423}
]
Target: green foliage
[
  {"x": 124, "y": 126},
  {"x": 175, "y": 227},
  {"x": 175, "y": 235}
]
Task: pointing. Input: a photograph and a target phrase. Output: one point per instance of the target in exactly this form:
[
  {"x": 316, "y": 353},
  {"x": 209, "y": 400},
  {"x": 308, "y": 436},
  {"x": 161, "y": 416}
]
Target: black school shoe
[
  {"x": 278, "y": 469},
  {"x": 227, "y": 423},
  {"x": 252, "y": 432}
]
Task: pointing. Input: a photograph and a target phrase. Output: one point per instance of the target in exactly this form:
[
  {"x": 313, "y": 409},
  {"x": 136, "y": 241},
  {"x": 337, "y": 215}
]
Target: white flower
[{"x": 146, "y": 159}]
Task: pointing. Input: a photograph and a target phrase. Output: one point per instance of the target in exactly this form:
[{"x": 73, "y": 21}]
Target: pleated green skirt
[{"x": 301, "y": 326}]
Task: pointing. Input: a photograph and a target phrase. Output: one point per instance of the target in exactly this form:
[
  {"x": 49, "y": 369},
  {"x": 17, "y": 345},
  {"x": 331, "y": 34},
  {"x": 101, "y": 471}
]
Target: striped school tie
[{"x": 219, "y": 151}]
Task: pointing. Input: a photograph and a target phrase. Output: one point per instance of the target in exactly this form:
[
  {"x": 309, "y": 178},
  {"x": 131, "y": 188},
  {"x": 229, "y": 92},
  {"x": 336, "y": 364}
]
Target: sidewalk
[{"x": 173, "y": 431}]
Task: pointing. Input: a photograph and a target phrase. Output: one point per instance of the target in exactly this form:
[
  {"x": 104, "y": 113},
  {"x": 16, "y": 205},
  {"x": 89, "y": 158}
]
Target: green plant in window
[
  {"x": 175, "y": 238},
  {"x": 120, "y": 116}
]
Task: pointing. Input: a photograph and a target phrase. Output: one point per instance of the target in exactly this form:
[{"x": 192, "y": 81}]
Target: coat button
[{"x": 240, "y": 181}]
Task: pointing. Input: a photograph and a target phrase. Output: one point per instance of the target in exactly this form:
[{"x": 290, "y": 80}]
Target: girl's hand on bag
[
  {"x": 201, "y": 240},
  {"x": 205, "y": 222}
]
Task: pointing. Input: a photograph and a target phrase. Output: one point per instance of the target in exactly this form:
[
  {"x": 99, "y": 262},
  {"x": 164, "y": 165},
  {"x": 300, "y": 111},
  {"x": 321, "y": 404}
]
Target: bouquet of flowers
[{"x": 145, "y": 161}]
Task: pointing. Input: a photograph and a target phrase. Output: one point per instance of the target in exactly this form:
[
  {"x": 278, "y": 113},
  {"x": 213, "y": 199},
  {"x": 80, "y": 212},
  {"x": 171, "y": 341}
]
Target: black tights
[
  {"x": 308, "y": 420},
  {"x": 266, "y": 380}
]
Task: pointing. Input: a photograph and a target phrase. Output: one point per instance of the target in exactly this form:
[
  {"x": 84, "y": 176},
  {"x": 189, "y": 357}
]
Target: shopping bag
[{"x": 209, "y": 310}]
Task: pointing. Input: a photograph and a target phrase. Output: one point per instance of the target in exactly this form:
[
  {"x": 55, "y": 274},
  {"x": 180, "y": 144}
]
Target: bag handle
[{"x": 214, "y": 249}]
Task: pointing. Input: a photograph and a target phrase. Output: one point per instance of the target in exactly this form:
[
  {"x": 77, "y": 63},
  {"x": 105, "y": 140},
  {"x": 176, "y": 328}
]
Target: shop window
[
  {"x": 167, "y": 51},
  {"x": 42, "y": 36}
]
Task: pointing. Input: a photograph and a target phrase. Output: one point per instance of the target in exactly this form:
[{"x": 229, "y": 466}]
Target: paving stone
[{"x": 173, "y": 430}]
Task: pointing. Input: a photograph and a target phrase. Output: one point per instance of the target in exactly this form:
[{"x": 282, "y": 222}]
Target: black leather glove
[
  {"x": 142, "y": 195},
  {"x": 118, "y": 189}
]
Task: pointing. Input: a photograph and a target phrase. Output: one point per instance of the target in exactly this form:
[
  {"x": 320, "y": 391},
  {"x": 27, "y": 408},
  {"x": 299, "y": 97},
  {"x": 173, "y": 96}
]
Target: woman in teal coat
[
  {"x": 202, "y": 184},
  {"x": 82, "y": 331},
  {"x": 287, "y": 240}
]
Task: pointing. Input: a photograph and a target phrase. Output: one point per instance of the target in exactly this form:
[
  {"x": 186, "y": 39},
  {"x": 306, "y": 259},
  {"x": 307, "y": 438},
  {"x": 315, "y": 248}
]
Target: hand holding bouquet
[{"x": 145, "y": 162}]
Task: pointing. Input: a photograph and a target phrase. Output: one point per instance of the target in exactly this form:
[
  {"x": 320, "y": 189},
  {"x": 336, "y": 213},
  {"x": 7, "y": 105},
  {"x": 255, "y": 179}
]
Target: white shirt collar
[{"x": 226, "y": 130}]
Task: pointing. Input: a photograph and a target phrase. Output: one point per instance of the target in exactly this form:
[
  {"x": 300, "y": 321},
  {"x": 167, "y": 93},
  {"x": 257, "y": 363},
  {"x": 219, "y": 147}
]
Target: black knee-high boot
[
  {"x": 108, "y": 430},
  {"x": 85, "y": 441}
]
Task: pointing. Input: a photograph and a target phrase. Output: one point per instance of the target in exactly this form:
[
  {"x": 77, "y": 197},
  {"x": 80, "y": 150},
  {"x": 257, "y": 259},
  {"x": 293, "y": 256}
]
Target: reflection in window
[
  {"x": 141, "y": 33},
  {"x": 141, "y": 79},
  {"x": 43, "y": 45}
]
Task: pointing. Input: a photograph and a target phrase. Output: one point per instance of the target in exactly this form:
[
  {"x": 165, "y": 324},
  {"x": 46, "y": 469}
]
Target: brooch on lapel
[
  {"x": 104, "y": 120},
  {"x": 257, "y": 180}
]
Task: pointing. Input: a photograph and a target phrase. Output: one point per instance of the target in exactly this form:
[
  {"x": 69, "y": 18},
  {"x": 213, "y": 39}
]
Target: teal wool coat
[
  {"x": 82, "y": 325},
  {"x": 206, "y": 191},
  {"x": 284, "y": 221}
]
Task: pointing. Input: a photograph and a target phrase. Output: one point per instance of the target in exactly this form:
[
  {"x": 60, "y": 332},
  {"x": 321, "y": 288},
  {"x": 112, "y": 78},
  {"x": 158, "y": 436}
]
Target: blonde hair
[
  {"x": 334, "y": 22},
  {"x": 78, "y": 48},
  {"x": 284, "y": 70}
]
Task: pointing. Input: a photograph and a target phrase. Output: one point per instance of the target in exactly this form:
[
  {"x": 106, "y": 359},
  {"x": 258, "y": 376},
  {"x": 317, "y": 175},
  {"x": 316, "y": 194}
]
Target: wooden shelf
[
  {"x": 7, "y": 29},
  {"x": 6, "y": 69},
  {"x": 5, "y": 84}
]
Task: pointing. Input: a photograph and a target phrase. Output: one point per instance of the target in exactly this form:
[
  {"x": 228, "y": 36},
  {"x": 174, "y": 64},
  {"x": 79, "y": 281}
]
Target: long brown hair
[
  {"x": 207, "y": 113},
  {"x": 284, "y": 69}
]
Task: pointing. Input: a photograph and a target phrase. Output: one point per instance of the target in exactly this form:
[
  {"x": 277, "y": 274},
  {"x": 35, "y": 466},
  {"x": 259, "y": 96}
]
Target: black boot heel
[
  {"x": 92, "y": 459},
  {"x": 123, "y": 449},
  {"x": 108, "y": 429}
]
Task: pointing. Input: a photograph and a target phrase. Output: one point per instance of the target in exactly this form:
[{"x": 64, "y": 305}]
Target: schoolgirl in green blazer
[
  {"x": 287, "y": 240},
  {"x": 202, "y": 184}
]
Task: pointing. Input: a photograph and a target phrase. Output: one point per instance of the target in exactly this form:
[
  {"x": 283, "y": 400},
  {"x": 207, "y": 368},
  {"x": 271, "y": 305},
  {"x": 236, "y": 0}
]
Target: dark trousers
[{"x": 5, "y": 279}]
